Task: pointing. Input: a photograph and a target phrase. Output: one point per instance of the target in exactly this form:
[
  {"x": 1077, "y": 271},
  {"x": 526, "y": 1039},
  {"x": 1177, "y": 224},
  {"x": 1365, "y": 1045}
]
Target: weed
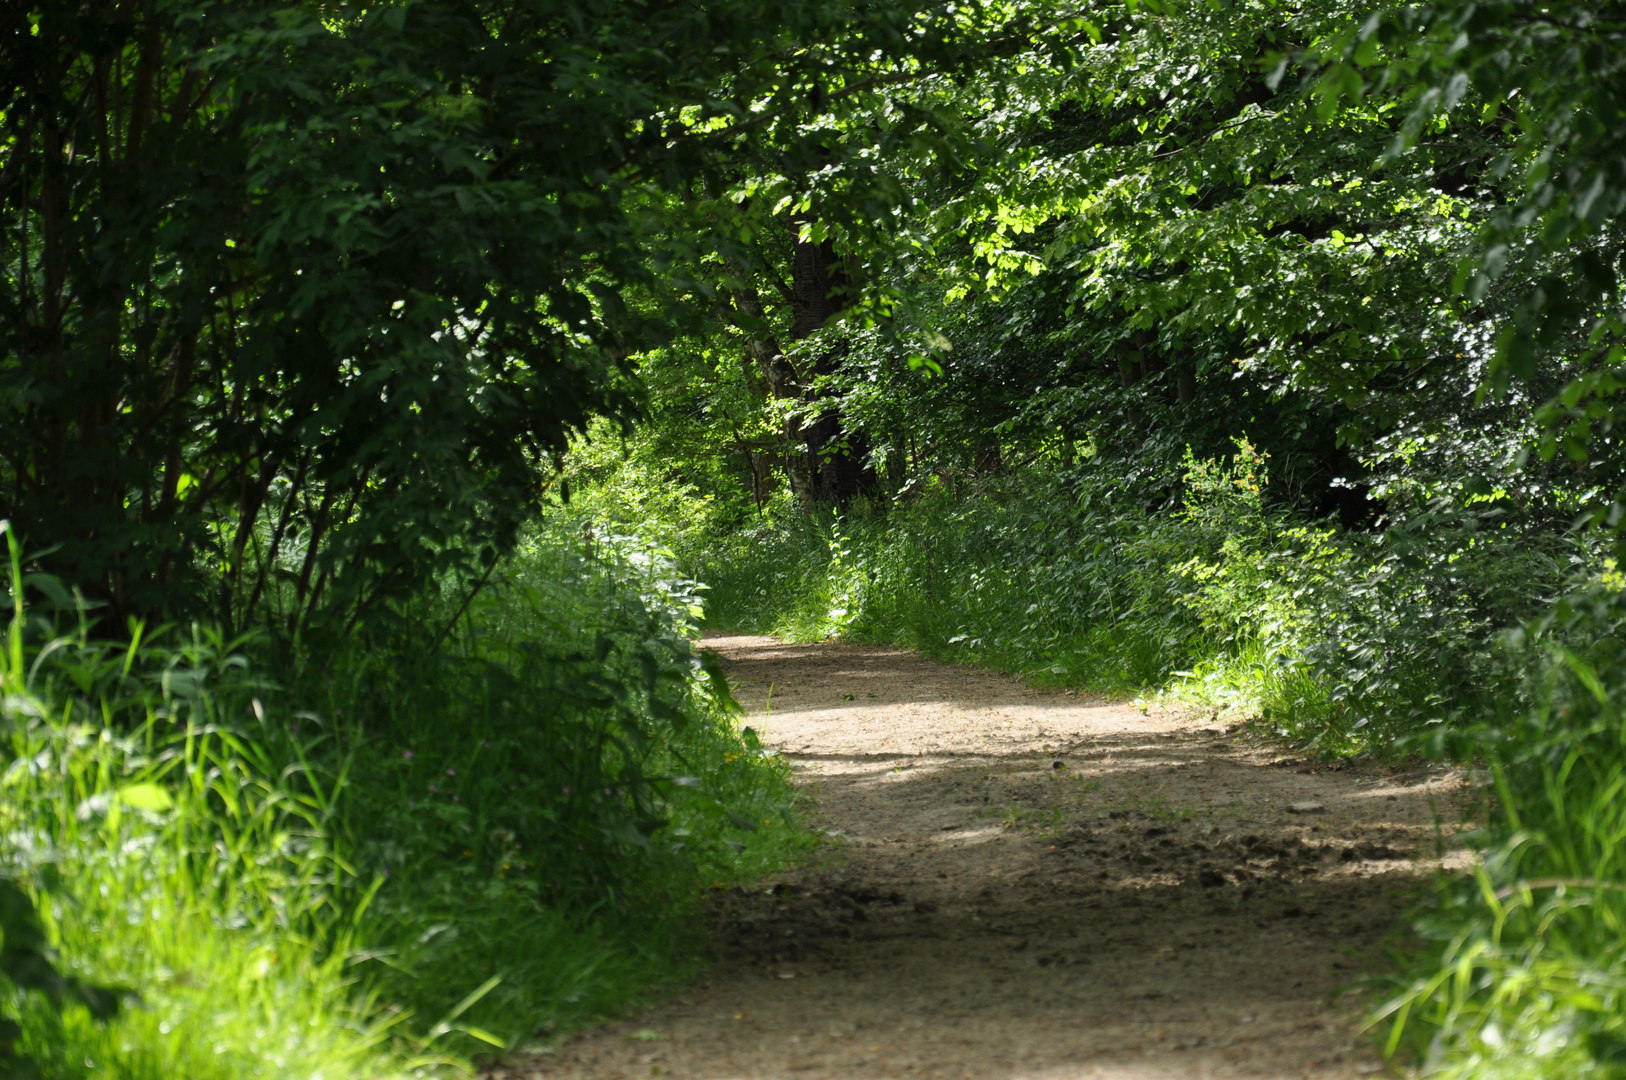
[{"x": 1524, "y": 976}]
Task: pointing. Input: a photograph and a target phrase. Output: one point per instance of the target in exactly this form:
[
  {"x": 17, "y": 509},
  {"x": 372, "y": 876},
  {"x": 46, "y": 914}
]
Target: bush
[
  {"x": 270, "y": 869},
  {"x": 1526, "y": 975},
  {"x": 545, "y": 789},
  {"x": 172, "y": 851},
  {"x": 1339, "y": 640}
]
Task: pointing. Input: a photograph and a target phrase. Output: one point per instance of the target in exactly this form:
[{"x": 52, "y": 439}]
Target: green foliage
[
  {"x": 303, "y": 300},
  {"x": 557, "y": 771},
  {"x": 288, "y": 892},
  {"x": 1375, "y": 248},
  {"x": 162, "y": 850},
  {"x": 28, "y": 966},
  {"x": 1216, "y": 349},
  {"x": 1340, "y": 640},
  {"x": 1524, "y": 975},
  {"x": 1553, "y": 82}
]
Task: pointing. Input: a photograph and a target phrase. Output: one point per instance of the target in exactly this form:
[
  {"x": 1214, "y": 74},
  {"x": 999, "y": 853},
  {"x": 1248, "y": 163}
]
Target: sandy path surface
[{"x": 1030, "y": 885}]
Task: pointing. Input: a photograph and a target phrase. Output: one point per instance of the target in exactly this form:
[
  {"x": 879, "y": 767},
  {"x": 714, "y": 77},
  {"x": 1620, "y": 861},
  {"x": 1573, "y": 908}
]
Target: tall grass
[
  {"x": 545, "y": 790},
  {"x": 1526, "y": 974},
  {"x": 1342, "y": 641},
  {"x": 169, "y": 853},
  {"x": 385, "y": 861}
]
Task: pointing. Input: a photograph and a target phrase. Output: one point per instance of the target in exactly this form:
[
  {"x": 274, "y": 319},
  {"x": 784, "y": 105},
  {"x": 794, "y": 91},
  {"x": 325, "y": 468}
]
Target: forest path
[{"x": 1030, "y": 885}]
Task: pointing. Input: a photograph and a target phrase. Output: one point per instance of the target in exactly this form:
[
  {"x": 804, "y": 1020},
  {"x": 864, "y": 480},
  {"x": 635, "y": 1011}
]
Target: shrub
[
  {"x": 1526, "y": 974},
  {"x": 268, "y": 866},
  {"x": 1339, "y": 640},
  {"x": 545, "y": 789}
]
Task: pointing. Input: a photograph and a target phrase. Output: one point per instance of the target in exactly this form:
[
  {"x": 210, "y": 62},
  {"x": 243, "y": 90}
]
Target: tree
[
  {"x": 1552, "y": 77},
  {"x": 1158, "y": 239},
  {"x": 303, "y": 300}
]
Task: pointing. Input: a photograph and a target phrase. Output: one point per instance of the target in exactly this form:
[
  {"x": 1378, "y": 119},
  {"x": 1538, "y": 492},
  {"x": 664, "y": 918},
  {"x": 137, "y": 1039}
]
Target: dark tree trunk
[
  {"x": 1128, "y": 370},
  {"x": 836, "y": 463},
  {"x": 776, "y": 371},
  {"x": 1187, "y": 386},
  {"x": 783, "y": 384}
]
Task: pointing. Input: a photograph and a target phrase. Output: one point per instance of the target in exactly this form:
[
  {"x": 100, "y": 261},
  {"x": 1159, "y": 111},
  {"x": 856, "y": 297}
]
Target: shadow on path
[{"x": 1032, "y": 885}]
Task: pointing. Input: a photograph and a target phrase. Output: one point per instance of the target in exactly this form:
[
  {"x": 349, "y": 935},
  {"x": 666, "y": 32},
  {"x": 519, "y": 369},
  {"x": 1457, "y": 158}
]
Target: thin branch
[
  {"x": 464, "y": 607},
  {"x": 1235, "y": 121}
]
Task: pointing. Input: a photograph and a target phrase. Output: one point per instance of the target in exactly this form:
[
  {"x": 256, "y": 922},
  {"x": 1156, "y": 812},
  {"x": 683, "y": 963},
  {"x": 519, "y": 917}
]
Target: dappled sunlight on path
[{"x": 1026, "y": 885}]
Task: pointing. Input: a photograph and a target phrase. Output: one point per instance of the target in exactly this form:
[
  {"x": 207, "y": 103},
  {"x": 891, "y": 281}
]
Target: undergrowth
[
  {"x": 1525, "y": 972},
  {"x": 1466, "y": 635},
  {"x": 1198, "y": 587},
  {"x": 381, "y": 861}
]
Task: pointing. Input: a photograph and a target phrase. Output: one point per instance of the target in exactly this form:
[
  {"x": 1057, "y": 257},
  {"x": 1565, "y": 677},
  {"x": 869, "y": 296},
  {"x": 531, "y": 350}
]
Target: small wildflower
[
  {"x": 459, "y": 798},
  {"x": 435, "y": 789},
  {"x": 406, "y": 755},
  {"x": 451, "y": 772},
  {"x": 565, "y": 789}
]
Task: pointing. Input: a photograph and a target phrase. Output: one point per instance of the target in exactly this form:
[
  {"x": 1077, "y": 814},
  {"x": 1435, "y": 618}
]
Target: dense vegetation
[
  {"x": 1270, "y": 361},
  {"x": 378, "y": 382}
]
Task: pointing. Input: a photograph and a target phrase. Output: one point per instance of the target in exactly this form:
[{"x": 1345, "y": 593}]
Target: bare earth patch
[{"x": 1028, "y": 884}]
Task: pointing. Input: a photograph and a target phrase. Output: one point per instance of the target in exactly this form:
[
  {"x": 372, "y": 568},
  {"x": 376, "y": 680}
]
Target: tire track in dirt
[{"x": 1030, "y": 885}]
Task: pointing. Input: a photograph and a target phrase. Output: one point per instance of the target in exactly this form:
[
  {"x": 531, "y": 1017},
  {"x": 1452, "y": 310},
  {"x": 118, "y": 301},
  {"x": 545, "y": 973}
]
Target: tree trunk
[
  {"x": 1187, "y": 387},
  {"x": 836, "y": 457},
  {"x": 783, "y": 385}
]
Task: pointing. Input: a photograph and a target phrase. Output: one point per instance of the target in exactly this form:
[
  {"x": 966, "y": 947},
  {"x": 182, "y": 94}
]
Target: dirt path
[{"x": 1029, "y": 884}]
